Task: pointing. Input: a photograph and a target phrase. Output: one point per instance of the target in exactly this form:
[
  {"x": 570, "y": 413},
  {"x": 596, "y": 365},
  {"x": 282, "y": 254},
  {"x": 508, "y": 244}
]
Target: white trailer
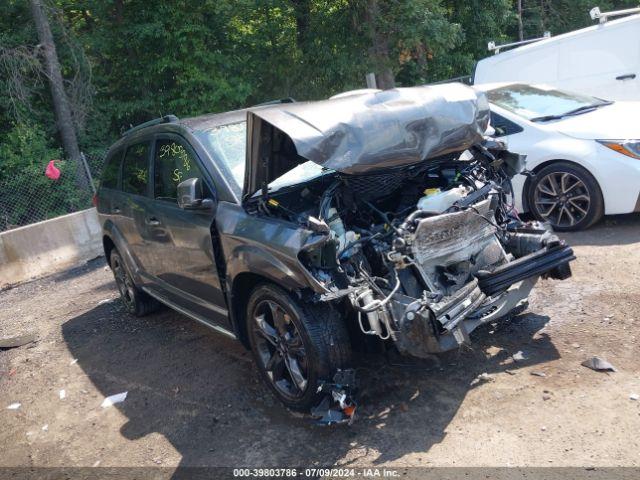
[{"x": 602, "y": 60}]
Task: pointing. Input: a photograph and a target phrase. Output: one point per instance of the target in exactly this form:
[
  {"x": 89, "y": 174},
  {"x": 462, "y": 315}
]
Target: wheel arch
[{"x": 242, "y": 286}]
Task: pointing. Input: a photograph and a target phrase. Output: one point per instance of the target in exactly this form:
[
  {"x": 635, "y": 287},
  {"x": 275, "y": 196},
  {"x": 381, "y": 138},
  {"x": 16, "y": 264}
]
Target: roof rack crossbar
[
  {"x": 150, "y": 123},
  {"x": 492, "y": 47},
  {"x": 276, "y": 102},
  {"x": 596, "y": 14}
]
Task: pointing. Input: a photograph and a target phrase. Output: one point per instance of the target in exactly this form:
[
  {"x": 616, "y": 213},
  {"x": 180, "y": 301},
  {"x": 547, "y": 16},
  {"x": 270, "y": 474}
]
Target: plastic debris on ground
[
  {"x": 538, "y": 374},
  {"x": 482, "y": 378},
  {"x": 73, "y": 362},
  {"x": 599, "y": 365},
  {"x": 63, "y": 394},
  {"x": 634, "y": 396},
  {"x": 113, "y": 399},
  {"x": 519, "y": 356},
  {"x": 338, "y": 405},
  {"x": 14, "y": 406}
]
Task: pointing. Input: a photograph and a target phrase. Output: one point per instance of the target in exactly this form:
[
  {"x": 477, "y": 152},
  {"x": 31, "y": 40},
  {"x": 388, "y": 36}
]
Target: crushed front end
[{"x": 415, "y": 237}]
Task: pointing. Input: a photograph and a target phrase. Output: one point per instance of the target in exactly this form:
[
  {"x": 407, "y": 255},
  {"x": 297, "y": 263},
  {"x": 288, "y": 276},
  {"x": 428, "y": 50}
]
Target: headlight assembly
[{"x": 630, "y": 148}]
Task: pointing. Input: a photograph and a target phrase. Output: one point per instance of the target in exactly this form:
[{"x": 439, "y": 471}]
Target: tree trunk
[
  {"x": 520, "y": 27},
  {"x": 379, "y": 48},
  {"x": 61, "y": 106}
]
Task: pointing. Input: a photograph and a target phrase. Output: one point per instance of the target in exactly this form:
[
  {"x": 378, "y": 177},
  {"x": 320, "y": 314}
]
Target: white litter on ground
[
  {"x": 45, "y": 428},
  {"x": 73, "y": 362},
  {"x": 14, "y": 406},
  {"x": 634, "y": 396},
  {"x": 113, "y": 399},
  {"x": 62, "y": 394}
]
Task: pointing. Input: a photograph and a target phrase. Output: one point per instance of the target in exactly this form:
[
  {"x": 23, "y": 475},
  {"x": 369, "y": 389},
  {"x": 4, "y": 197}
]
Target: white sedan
[{"x": 584, "y": 152}]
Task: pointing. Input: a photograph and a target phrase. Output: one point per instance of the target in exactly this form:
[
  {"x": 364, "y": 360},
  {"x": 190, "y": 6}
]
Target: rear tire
[
  {"x": 565, "y": 195},
  {"x": 135, "y": 300},
  {"x": 296, "y": 345}
]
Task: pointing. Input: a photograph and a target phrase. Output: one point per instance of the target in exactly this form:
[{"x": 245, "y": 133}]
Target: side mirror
[{"x": 190, "y": 195}]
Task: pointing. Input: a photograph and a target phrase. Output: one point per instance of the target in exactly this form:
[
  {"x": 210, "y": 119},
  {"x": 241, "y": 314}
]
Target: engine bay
[{"x": 420, "y": 255}]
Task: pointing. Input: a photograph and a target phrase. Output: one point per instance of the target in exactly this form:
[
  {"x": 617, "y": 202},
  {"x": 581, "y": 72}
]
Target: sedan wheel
[
  {"x": 566, "y": 196},
  {"x": 562, "y": 199}
]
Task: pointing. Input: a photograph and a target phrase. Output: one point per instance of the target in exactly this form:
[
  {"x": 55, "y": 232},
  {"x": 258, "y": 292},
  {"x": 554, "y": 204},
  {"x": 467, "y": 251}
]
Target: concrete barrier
[{"x": 48, "y": 247}]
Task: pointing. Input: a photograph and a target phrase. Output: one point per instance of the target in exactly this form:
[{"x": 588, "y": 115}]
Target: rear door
[
  {"x": 182, "y": 247},
  {"x": 133, "y": 210}
]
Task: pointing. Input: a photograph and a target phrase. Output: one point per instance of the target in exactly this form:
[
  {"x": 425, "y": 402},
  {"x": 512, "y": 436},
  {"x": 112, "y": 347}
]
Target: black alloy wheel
[
  {"x": 296, "y": 344},
  {"x": 280, "y": 349},
  {"x": 136, "y": 302}
]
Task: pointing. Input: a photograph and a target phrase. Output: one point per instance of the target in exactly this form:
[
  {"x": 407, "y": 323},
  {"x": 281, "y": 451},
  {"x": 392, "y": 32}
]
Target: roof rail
[
  {"x": 596, "y": 14},
  {"x": 151, "y": 123},
  {"x": 491, "y": 46},
  {"x": 276, "y": 102}
]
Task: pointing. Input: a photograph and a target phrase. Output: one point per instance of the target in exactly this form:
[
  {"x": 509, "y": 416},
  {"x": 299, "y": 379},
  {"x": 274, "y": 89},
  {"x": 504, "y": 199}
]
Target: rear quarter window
[
  {"x": 111, "y": 170},
  {"x": 135, "y": 169}
]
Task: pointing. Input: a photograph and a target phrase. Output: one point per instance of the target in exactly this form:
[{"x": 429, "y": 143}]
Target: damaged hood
[{"x": 363, "y": 133}]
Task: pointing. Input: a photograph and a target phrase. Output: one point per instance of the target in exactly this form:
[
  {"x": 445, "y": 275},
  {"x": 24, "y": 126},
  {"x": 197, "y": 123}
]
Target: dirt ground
[{"x": 194, "y": 397}]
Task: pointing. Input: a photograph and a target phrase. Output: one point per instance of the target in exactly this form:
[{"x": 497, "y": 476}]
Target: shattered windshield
[
  {"x": 228, "y": 144},
  {"x": 535, "y": 102}
]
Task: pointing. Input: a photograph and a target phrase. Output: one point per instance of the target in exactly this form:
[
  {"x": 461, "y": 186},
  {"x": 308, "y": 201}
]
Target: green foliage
[
  {"x": 188, "y": 57},
  {"x": 26, "y": 194}
]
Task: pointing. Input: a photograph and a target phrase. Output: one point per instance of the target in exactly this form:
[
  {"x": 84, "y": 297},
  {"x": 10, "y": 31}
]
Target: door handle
[
  {"x": 115, "y": 210},
  {"x": 153, "y": 221},
  {"x": 628, "y": 76}
]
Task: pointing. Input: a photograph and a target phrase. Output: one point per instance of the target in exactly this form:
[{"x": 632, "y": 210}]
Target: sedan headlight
[{"x": 630, "y": 148}]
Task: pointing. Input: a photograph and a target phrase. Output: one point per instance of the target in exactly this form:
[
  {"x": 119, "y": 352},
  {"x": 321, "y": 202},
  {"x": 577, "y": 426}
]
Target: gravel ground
[{"x": 194, "y": 397}]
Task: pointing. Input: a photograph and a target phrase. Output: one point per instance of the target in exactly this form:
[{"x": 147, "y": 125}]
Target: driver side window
[{"x": 173, "y": 164}]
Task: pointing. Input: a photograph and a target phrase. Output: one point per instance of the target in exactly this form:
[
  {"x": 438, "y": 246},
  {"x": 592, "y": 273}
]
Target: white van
[{"x": 602, "y": 60}]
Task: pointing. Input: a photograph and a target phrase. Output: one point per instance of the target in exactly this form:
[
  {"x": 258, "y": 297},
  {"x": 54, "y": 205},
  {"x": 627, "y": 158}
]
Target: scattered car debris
[
  {"x": 634, "y": 396},
  {"x": 14, "y": 406},
  {"x": 63, "y": 394},
  {"x": 14, "y": 341},
  {"x": 338, "y": 405},
  {"x": 482, "y": 378},
  {"x": 113, "y": 399},
  {"x": 538, "y": 374},
  {"x": 519, "y": 356},
  {"x": 599, "y": 365}
]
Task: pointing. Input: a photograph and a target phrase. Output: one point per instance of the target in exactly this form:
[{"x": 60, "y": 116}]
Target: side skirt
[{"x": 193, "y": 316}]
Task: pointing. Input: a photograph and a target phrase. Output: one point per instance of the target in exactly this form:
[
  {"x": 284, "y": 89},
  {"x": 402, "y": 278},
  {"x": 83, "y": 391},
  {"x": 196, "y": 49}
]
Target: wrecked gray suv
[{"x": 308, "y": 230}]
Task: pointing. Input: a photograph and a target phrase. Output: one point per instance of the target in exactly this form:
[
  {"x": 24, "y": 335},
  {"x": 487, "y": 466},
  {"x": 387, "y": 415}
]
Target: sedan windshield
[
  {"x": 228, "y": 144},
  {"x": 540, "y": 103}
]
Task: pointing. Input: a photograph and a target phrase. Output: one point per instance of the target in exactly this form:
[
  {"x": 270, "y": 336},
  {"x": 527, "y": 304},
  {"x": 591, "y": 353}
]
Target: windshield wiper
[{"x": 575, "y": 111}]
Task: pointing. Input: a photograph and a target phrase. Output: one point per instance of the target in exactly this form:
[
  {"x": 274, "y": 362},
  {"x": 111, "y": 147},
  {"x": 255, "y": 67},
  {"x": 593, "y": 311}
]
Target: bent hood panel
[{"x": 363, "y": 133}]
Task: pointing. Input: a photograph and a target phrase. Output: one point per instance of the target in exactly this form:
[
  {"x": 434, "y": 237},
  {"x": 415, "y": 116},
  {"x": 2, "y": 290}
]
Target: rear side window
[
  {"x": 173, "y": 164},
  {"x": 111, "y": 170},
  {"x": 135, "y": 169}
]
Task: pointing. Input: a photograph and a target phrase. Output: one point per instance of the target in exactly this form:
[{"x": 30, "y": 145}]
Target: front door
[{"x": 183, "y": 249}]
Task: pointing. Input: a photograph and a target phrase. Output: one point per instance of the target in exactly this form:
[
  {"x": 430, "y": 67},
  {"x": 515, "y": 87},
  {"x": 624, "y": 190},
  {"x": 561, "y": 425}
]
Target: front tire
[
  {"x": 296, "y": 345},
  {"x": 567, "y": 196},
  {"x": 135, "y": 301}
]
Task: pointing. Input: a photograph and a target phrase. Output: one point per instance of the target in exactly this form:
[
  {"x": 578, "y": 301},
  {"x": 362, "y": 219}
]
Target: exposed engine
[{"x": 422, "y": 254}]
